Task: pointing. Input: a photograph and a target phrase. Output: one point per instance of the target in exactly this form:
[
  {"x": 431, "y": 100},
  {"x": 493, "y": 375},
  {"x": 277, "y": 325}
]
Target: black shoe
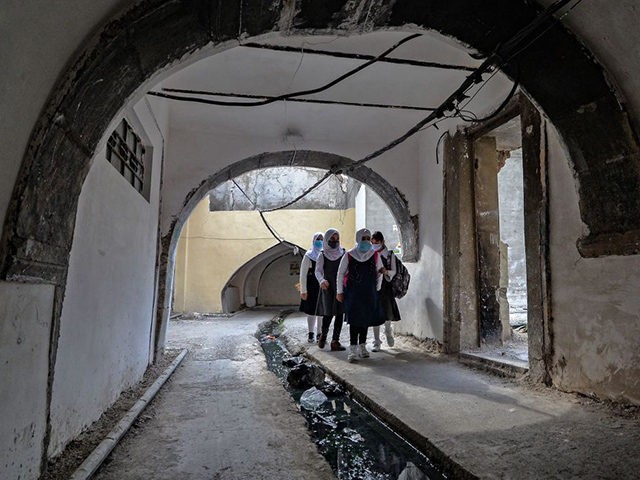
[
  {"x": 322, "y": 340},
  {"x": 336, "y": 346},
  {"x": 311, "y": 338}
]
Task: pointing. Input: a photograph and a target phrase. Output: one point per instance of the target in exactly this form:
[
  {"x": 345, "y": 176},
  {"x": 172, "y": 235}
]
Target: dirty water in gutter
[{"x": 356, "y": 444}]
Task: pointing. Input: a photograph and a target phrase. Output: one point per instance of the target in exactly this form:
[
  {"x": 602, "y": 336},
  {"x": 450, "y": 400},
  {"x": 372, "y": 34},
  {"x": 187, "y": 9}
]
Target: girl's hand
[
  {"x": 324, "y": 285},
  {"x": 340, "y": 297},
  {"x": 303, "y": 296}
]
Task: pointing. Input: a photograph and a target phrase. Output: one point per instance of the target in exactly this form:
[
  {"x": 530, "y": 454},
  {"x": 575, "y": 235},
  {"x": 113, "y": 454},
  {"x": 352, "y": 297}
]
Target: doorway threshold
[{"x": 500, "y": 360}]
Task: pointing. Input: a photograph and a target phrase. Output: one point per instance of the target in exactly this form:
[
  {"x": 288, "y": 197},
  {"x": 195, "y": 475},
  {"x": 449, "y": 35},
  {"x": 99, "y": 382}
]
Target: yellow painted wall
[{"x": 213, "y": 245}]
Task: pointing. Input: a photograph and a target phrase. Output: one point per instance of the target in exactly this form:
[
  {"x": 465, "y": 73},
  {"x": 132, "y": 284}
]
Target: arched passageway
[
  {"x": 150, "y": 40},
  {"x": 144, "y": 43},
  {"x": 569, "y": 87},
  {"x": 248, "y": 286},
  {"x": 407, "y": 225}
]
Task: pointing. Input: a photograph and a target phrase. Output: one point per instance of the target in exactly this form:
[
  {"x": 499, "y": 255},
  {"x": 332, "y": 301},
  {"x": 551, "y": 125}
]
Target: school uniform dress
[
  {"x": 309, "y": 305},
  {"x": 328, "y": 306},
  {"x": 388, "y": 304},
  {"x": 361, "y": 304}
]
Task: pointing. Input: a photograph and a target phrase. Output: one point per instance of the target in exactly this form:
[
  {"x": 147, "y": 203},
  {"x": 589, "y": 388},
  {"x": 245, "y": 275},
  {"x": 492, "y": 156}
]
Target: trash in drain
[
  {"x": 356, "y": 443},
  {"x": 312, "y": 399}
]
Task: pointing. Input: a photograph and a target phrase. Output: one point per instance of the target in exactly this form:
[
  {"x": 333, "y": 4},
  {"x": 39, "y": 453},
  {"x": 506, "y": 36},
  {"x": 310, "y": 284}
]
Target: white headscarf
[
  {"x": 355, "y": 252},
  {"x": 331, "y": 253},
  {"x": 314, "y": 251}
]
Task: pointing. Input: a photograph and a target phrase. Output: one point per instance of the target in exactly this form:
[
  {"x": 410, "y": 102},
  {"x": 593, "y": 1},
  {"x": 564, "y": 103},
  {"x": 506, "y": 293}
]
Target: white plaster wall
[
  {"x": 595, "y": 301},
  {"x": 108, "y": 309},
  {"x": 194, "y": 155},
  {"x": 422, "y": 309},
  {"x": 361, "y": 208},
  {"x": 25, "y": 324},
  {"x": 277, "y": 284},
  {"x": 252, "y": 280},
  {"x": 38, "y": 40}
]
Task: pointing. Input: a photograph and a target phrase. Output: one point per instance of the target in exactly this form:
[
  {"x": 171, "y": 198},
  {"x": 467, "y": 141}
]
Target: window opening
[{"x": 126, "y": 153}]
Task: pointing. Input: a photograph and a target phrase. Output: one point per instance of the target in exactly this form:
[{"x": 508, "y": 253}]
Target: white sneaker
[
  {"x": 376, "y": 347},
  {"x": 364, "y": 353},
  {"x": 388, "y": 330},
  {"x": 352, "y": 356}
]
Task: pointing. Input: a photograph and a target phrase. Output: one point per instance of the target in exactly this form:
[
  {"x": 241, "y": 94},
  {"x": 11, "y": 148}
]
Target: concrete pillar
[{"x": 460, "y": 297}]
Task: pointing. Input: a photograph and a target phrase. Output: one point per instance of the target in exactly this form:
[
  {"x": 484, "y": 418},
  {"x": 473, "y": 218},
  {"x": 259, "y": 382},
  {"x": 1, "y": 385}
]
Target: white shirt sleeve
[
  {"x": 379, "y": 265},
  {"x": 391, "y": 271},
  {"x": 342, "y": 271},
  {"x": 320, "y": 268},
  {"x": 304, "y": 268}
]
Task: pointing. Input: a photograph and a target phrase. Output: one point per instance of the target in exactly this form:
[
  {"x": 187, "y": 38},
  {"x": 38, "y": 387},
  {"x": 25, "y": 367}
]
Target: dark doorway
[
  {"x": 495, "y": 235},
  {"x": 500, "y": 243}
]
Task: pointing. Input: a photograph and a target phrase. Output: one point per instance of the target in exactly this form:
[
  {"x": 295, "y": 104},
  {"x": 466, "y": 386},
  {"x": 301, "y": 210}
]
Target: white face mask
[{"x": 377, "y": 247}]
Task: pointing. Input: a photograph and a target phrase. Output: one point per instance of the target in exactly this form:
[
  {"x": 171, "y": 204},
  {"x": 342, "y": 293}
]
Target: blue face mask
[
  {"x": 317, "y": 243},
  {"x": 364, "y": 246},
  {"x": 377, "y": 247}
]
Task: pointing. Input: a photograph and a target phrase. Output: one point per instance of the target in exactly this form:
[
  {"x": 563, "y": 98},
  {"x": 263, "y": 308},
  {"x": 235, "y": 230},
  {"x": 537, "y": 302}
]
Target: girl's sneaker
[
  {"x": 311, "y": 338},
  {"x": 364, "y": 353},
  {"x": 352, "y": 356},
  {"x": 388, "y": 330}
]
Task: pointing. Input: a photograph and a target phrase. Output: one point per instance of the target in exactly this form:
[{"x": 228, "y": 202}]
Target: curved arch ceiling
[
  {"x": 374, "y": 106},
  {"x": 151, "y": 37}
]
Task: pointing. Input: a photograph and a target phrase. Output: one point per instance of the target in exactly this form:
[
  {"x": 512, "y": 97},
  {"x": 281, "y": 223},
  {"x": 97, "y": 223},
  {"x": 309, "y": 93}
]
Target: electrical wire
[
  {"x": 300, "y": 93},
  {"x": 501, "y": 107},
  {"x": 459, "y": 94},
  {"x": 501, "y": 56},
  {"x": 262, "y": 217},
  {"x": 304, "y": 193},
  {"x": 438, "y": 146}
]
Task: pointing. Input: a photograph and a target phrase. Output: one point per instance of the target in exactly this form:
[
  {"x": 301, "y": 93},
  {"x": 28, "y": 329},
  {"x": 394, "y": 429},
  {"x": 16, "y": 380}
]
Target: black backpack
[{"x": 400, "y": 281}]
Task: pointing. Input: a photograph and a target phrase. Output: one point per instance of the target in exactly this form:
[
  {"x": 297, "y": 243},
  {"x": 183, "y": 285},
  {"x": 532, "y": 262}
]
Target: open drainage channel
[{"x": 357, "y": 444}]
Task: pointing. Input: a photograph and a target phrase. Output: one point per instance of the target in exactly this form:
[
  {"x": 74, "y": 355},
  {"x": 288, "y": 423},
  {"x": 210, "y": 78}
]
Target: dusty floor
[
  {"x": 63, "y": 466},
  {"x": 222, "y": 415},
  {"x": 491, "y": 427}
]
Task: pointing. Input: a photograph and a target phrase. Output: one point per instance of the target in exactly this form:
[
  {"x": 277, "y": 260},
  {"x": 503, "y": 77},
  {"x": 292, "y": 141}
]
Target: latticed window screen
[{"x": 126, "y": 152}]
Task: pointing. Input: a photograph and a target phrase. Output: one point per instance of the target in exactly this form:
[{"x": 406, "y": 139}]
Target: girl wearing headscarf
[
  {"x": 359, "y": 280},
  {"x": 388, "y": 304},
  {"x": 327, "y": 273},
  {"x": 309, "y": 287}
]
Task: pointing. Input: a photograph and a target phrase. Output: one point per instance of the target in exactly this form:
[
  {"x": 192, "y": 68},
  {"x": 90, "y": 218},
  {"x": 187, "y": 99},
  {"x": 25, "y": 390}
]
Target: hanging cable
[
  {"x": 303, "y": 194},
  {"x": 438, "y": 146},
  {"x": 262, "y": 217},
  {"x": 497, "y": 111},
  {"x": 501, "y": 56},
  {"x": 292, "y": 94},
  {"x": 505, "y": 50}
]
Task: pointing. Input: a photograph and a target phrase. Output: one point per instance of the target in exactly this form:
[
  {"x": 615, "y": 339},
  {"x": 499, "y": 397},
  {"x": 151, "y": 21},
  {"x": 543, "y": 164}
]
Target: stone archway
[
  {"x": 248, "y": 278},
  {"x": 556, "y": 71},
  {"x": 407, "y": 224},
  {"x": 569, "y": 86}
]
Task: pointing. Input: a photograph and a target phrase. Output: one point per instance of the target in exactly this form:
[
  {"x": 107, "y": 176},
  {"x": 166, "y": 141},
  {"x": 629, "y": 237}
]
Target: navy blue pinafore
[{"x": 361, "y": 305}]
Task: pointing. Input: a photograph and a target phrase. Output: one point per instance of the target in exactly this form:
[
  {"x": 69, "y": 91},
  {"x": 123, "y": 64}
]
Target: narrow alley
[
  {"x": 177, "y": 172},
  {"x": 222, "y": 414}
]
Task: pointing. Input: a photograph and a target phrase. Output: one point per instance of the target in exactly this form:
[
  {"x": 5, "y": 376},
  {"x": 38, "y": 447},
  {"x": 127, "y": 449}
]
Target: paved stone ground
[
  {"x": 491, "y": 427},
  {"x": 225, "y": 416},
  {"x": 222, "y": 415}
]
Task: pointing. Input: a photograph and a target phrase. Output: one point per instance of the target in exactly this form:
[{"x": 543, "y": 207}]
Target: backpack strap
[{"x": 346, "y": 274}]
